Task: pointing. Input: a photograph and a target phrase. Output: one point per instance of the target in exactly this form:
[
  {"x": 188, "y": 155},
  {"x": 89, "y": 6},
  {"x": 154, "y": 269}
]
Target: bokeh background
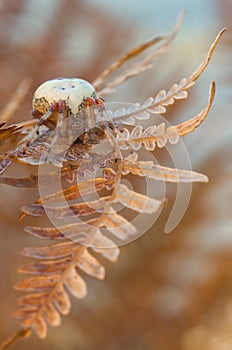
[{"x": 167, "y": 292}]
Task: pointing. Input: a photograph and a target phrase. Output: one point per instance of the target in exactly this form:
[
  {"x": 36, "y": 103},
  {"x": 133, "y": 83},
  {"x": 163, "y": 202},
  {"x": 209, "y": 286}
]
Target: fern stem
[{"x": 15, "y": 337}]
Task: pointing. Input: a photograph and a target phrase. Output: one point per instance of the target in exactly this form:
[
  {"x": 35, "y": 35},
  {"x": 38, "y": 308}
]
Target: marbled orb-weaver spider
[
  {"x": 71, "y": 93},
  {"x": 61, "y": 98}
]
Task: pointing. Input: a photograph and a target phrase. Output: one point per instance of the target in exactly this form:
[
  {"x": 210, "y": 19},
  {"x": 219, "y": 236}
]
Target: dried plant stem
[
  {"x": 15, "y": 101},
  {"x": 204, "y": 64},
  {"x": 134, "y": 52},
  {"x": 141, "y": 66},
  {"x": 15, "y": 338},
  {"x": 177, "y": 91},
  {"x": 28, "y": 123}
]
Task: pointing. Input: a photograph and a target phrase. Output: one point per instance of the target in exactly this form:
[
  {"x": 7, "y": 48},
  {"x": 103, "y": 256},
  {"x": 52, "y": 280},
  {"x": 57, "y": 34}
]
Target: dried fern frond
[
  {"x": 137, "y": 68},
  {"x": 163, "y": 99},
  {"x": 150, "y": 170},
  {"x": 66, "y": 258},
  {"x": 32, "y": 180},
  {"x": 159, "y": 135},
  {"x": 88, "y": 226},
  {"x": 8, "y": 132}
]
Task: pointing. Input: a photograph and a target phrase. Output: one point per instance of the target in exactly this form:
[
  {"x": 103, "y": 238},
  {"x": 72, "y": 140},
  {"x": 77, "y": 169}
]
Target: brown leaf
[
  {"x": 52, "y": 316},
  {"x": 76, "y": 191},
  {"x": 161, "y": 173},
  {"x": 36, "y": 299},
  {"x": 40, "y": 327},
  {"x": 68, "y": 211},
  {"x": 136, "y": 201},
  {"x": 104, "y": 246},
  {"x": 191, "y": 124},
  {"x": 45, "y": 268},
  {"x": 90, "y": 265},
  {"x": 75, "y": 284},
  {"x": 61, "y": 300},
  {"x": 119, "y": 226},
  {"x": 55, "y": 251},
  {"x": 37, "y": 284}
]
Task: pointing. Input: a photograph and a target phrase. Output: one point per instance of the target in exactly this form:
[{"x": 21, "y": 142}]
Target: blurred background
[{"x": 166, "y": 292}]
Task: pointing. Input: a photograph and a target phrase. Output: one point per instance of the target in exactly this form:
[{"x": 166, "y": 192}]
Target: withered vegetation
[{"x": 57, "y": 274}]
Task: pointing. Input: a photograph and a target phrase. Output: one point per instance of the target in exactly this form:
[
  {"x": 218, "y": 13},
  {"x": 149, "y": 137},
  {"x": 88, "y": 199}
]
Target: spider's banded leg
[
  {"x": 104, "y": 120},
  {"x": 41, "y": 121},
  {"x": 61, "y": 107},
  {"x": 90, "y": 109},
  {"x": 62, "y": 114}
]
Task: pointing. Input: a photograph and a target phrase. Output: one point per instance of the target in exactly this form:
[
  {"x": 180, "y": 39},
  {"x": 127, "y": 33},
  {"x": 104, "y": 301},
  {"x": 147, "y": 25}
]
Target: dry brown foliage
[{"x": 62, "y": 264}]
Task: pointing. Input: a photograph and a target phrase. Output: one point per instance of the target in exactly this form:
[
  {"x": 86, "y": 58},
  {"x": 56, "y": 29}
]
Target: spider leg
[
  {"x": 97, "y": 114},
  {"x": 105, "y": 121},
  {"x": 87, "y": 113},
  {"x": 52, "y": 150},
  {"x": 62, "y": 114},
  {"x": 41, "y": 121}
]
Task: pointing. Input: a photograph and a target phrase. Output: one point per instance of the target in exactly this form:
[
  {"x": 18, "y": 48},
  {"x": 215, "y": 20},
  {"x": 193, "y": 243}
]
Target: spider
[
  {"x": 61, "y": 98},
  {"x": 70, "y": 107}
]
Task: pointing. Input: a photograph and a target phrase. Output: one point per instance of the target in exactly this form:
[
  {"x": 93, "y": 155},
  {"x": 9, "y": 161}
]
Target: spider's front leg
[
  {"x": 93, "y": 106},
  {"x": 88, "y": 113},
  {"x": 50, "y": 119},
  {"x": 55, "y": 116}
]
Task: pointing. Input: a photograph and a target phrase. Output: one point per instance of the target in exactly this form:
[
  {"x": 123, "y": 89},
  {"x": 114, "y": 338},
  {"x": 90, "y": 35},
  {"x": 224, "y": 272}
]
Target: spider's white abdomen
[{"x": 71, "y": 90}]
